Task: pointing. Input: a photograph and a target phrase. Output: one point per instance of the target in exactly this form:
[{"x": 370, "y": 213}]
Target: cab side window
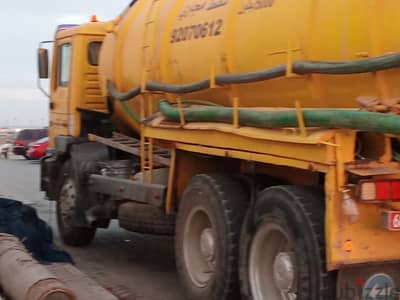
[
  {"x": 93, "y": 53},
  {"x": 64, "y": 64}
]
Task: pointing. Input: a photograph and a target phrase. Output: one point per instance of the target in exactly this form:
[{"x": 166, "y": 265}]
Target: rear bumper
[{"x": 369, "y": 282}]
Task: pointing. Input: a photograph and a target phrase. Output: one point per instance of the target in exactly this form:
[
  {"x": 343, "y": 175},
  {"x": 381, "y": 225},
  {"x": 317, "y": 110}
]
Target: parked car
[
  {"x": 25, "y": 137},
  {"x": 38, "y": 149}
]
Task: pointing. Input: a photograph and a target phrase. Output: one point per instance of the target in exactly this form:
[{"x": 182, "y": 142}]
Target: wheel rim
[
  {"x": 67, "y": 203},
  {"x": 199, "y": 247},
  {"x": 272, "y": 264}
]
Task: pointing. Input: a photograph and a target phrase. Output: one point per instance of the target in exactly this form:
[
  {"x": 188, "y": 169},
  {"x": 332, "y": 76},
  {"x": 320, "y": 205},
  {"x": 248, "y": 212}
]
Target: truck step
[{"x": 132, "y": 145}]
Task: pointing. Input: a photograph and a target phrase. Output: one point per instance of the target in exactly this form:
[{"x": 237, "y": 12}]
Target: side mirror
[{"x": 43, "y": 63}]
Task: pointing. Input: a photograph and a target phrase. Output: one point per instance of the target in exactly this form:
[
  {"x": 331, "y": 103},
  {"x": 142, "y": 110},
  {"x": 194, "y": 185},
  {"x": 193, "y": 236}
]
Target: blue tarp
[{"x": 22, "y": 221}]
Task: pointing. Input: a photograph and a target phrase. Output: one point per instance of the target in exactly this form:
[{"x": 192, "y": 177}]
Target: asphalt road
[{"x": 132, "y": 266}]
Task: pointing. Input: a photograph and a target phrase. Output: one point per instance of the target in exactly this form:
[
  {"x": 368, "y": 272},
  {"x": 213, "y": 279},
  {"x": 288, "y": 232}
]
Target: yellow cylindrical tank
[{"x": 184, "y": 41}]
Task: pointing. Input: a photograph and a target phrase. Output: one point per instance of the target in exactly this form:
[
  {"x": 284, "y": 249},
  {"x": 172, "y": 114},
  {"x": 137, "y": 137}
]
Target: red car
[
  {"x": 25, "y": 137},
  {"x": 38, "y": 149}
]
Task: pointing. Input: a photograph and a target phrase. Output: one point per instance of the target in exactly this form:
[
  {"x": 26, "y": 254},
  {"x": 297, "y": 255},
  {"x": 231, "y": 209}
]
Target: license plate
[{"x": 391, "y": 220}]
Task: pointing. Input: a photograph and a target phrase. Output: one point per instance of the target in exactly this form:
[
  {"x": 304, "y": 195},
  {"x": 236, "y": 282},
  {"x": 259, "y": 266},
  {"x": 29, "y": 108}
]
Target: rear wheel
[
  {"x": 71, "y": 234},
  {"x": 283, "y": 257},
  {"x": 207, "y": 236}
]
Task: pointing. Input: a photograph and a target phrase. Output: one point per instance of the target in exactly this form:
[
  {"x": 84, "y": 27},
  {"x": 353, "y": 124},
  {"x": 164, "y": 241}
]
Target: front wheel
[
  {"x": 70, "y": 233},
  {"x": 283, "y": 252},
  {"x": 207, "y": 237}
]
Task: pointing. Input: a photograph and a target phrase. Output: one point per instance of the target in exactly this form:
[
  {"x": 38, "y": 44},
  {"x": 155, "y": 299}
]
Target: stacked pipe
[
  {"x": 23, "y": 278},
  {"x": 375, "y": 104}
]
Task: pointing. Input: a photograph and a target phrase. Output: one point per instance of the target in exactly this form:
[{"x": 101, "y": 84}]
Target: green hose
[
  {"x": 324, "y": 118},
  {"x": 130, "y": 112}
]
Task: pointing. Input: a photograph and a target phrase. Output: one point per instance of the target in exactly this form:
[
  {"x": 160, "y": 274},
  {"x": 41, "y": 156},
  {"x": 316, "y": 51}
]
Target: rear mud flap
[{"x": 380, "y": 282}]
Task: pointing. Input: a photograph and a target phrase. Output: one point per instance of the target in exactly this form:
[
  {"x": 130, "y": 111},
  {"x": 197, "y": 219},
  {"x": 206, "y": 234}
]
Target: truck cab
[{"x": 75, "y": 99}]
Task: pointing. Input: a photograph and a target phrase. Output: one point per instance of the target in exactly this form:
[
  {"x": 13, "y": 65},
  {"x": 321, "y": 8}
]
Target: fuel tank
[{"x": 184, "y": 41}]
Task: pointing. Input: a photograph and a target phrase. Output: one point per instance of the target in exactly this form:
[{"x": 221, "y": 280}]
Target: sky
[{"x": 23, "y": 24}]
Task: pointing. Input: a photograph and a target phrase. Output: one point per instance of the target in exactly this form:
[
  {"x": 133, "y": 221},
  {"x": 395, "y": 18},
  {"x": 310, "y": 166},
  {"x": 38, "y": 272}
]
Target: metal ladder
[
  {"x": 147, "y": 147},
  {"x": 159, "y": 157},
  {"x": 149, "y": 33}
]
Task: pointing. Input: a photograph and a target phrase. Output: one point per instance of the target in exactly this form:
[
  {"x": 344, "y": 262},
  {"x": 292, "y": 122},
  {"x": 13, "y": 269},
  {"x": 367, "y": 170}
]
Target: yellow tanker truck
[{"x": 262, "y": 134}]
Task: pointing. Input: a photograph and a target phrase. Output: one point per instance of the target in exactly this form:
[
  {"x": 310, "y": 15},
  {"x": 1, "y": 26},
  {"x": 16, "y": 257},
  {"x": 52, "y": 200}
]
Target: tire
[
  {"x": 283, "y": 248},
  {"x": 146, "y": 219},
  {"x": 69, "y": 194},
  {"x": 207, "y": 236}
]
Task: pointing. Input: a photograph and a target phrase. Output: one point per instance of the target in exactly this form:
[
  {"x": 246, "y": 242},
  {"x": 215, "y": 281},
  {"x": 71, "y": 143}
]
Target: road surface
[{"x": 132, "y": 266}]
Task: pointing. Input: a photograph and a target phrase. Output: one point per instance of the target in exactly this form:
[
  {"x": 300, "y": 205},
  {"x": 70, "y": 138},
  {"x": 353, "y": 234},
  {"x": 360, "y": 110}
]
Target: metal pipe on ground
[{"x": 23, "y": 278}]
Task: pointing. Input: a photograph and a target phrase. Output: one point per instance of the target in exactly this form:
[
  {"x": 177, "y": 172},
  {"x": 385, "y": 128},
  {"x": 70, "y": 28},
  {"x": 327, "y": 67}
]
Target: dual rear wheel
[
  {"x": 207, "y": 237},
  {"x": 279, "y": 249},
  {"x": 276, "y": 252}
]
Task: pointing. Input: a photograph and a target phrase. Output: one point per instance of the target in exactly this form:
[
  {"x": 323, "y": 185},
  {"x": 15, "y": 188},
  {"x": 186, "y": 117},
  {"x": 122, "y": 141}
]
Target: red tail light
[
  {"x": 18, "y": 143},
  {"x": 379, "y": 190}
]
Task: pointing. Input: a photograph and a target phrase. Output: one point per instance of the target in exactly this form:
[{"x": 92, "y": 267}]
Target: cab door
[{"x": 60, "y": 89}]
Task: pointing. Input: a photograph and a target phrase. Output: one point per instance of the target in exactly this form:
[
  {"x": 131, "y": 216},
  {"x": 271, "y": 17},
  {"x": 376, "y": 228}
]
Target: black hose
[
  {"x": 302, "y": 67},
  {"x": 112, "y": 90},
  {"x": 250, "y": 77},
  {"x": 178, "y": 88},
  {"x": 375, "y": 64}
]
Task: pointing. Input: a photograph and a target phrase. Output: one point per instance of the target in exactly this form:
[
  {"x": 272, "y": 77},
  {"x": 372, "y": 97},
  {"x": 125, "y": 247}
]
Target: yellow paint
[
  {"x": 181, "y": 114},
  {"x": 212, "y": 78},
  {"x": 83, "y": 90},
  {"x": 346, "y": 141},
  {"x": 166, "y": 37},
  {"x": 169, "y": 203},
  {"x": 316, "y": 136},
  {"x": 376, "y": 28},
  {"x": 300, "y": 119},
  {"x": 236, "y": 112},
  {"x": 230, "y": 36},
  {"x": 302, "y": 152},
  {"x": 254, "y": 157}
]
